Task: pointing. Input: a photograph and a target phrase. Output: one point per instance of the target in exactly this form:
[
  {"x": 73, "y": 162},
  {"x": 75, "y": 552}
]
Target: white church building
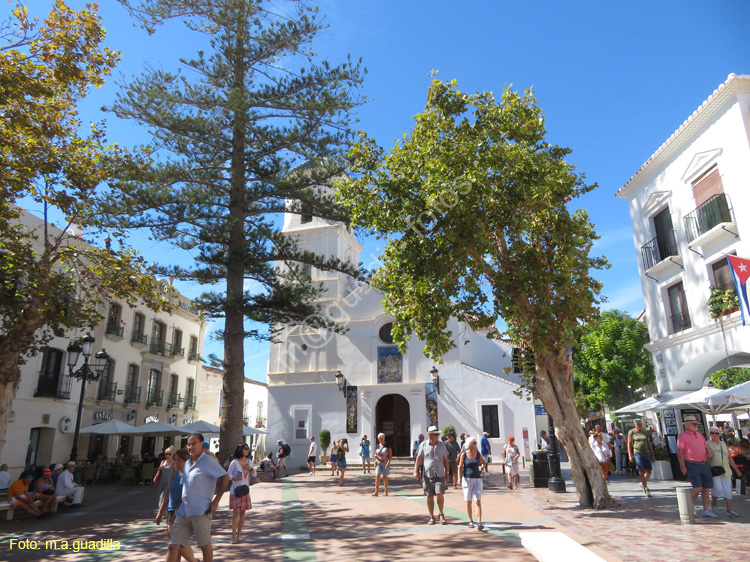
[{"x": 381, "y": 389}]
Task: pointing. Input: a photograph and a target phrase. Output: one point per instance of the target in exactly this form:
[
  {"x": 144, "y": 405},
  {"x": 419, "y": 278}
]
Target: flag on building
[{"x": 740, "y": 268}]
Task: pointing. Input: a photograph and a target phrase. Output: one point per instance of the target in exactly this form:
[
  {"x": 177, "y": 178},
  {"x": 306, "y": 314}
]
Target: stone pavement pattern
[{"x": 310, "y": 518}]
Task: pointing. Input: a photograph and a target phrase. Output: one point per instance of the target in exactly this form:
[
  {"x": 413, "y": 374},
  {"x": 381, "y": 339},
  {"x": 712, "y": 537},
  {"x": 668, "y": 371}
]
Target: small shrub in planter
[
  {"x": 722, "y": 301},
  {"x": 325, "y": 440}
]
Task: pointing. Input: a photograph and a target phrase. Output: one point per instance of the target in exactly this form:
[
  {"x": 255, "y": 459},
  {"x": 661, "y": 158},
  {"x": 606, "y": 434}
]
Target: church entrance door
[{"x": 392, "y": 417}]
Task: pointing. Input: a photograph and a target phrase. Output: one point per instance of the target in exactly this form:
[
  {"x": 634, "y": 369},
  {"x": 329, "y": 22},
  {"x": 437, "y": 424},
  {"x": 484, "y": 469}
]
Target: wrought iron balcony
[
  {"x": 680, "y": 322},
  {"x": 158, "y": 347},
  {"x": 178, "y": 351},
  {"x": 133, "y": 395},
  {"x": 194, "y": 356},
  {"x": 53, "y": 385},
  {"x": 154, "y": 397},
  {"x": 174, "y": 400},
  {"x": 712, "y": 213},
  {"x": 115, "y": 329},
  {"x": 107, "y": 391},
  {"x": 659, "y": 249},
  {"x": 190, "y": 402},
  {"x": 139, "y": 337}
]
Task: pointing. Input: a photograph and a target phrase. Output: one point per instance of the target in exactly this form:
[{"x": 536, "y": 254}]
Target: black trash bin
[{"x": 541, "y": 469}]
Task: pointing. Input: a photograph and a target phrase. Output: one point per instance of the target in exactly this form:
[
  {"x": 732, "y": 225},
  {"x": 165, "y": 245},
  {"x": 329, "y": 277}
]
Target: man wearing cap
[
  {"x": 67, "y": 487},
  {"x": 693, "y": 453},
  {"x": 641, "y": 453},
  {"x": 199, "y": 480},
  {"x": 486, "y": 451},
  {"x": 434, "y": 456},
  {"x": 282, "y": 457},
  {"x": 56, "y": 472},
  {"x": 18, "y": 494}
]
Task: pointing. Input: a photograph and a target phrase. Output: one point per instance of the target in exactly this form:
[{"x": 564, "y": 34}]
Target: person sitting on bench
[{"x": 18, "y": 495}]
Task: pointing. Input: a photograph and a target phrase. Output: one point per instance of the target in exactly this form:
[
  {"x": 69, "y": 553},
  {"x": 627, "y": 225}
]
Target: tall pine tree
[{"x": 233, "y": 126}]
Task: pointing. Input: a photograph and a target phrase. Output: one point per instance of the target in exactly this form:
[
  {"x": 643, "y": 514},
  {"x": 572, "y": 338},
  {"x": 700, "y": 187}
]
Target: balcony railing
[
  {"x": 189, "y": 402},
  {"x": 680, "y": 322},
  {"x": 133, "y": 395},
  {"x": 194, "y": 356},
  {"x": 174, "y": 400},
  {"x": 139, "y": 337},
  {"x": 154, "y": 397},
  {"x": 115, "y": 329},
  {"x": 178, "y": 351},
  {"x": 107, "y": 391},
  {"x": 53, "y": 385},
  {"x": 659, "y": 249},
  {"x": 158, "y": 347},
  {"x": 713, "y": 212}
]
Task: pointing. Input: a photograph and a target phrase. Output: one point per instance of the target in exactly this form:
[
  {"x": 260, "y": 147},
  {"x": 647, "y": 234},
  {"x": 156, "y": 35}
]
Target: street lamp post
[
  {"x": 556, "y": 482},
  {"x": 84, "y": 374}
]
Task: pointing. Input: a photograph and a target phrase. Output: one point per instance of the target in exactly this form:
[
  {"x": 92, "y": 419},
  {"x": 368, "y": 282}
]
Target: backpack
[
  {"x": 287, "y": 449},
  {"x": 340, "y": 455}
]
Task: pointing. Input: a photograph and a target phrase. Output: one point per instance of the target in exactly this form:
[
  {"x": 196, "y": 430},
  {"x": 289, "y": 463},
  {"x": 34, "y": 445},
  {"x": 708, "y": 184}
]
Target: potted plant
[
  {"x": 722, "y": 302},
  {"x": 662, "y": 467},
  {"x": 325, "y": 442}
]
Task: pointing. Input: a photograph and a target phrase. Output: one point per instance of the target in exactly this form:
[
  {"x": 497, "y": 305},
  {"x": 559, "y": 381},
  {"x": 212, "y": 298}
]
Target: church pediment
[
  {"x": 700, "y": 163},
  {"x": 655, "y": 202}
]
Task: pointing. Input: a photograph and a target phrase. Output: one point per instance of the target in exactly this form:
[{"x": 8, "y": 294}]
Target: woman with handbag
[
  {"x": 721, "y": 463},
  {"x": 163, "y": 476},
  {"x": 241, "y": 470},
  {"x": 601, "y": 452}
]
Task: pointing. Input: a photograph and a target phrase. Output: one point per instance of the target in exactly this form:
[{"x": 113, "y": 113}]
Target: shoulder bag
[{"x": 719, "y": 470}]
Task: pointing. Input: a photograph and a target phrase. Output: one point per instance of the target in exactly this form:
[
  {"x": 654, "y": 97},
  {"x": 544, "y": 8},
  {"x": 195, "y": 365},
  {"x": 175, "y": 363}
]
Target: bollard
[{"x": 685, "y": 506}]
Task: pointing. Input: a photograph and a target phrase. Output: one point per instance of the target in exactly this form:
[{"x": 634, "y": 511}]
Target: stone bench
[
  {"x": 555, "y": 546},
  {"x": 7, "y": 512}
]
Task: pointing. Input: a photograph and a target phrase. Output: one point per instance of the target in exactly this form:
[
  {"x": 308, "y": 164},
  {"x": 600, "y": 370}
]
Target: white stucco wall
[{"x": 718, "y": 133}]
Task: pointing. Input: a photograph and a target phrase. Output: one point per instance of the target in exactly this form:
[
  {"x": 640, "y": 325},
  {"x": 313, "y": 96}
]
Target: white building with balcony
[
  {"x": 689, "y": 205},
  {"x": 381, "y": 389},
  {"x": 152, "y": 374}
]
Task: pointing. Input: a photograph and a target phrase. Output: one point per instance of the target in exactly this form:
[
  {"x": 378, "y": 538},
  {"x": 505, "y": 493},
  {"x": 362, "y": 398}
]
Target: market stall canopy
[
  {"x": 734, "y": 398},
  {"x": 112, "y": 427},
  {"x": 157, "y": 428},
  {"x": 200, "y": 427}
]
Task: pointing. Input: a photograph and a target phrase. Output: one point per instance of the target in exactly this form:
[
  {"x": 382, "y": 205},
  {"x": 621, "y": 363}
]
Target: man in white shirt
[
  {"x": 67, "y": 487},
  {"x": 598, "y": 429},
  {"x": 311, "y": 454}
]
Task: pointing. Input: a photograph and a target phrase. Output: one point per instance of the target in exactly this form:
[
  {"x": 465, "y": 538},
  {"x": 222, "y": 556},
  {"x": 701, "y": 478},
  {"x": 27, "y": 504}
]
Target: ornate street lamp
[
  {"x": 341, "y": 382},
  {"x": 84, "y": 374},
  {"x": 435, "y": 378}
]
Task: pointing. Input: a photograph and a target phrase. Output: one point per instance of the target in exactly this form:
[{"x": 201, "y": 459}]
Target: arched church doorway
[{"x": 392, "y": 417}]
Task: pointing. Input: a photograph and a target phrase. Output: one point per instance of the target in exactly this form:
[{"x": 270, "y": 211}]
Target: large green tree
[
  {"x": 473, "y": 202},
  {"x": 232, "y": 127},
  {"x": 610, "y": 362},
  {"x": 732, "y": 376},
  {"x": 51, "y": 280}
]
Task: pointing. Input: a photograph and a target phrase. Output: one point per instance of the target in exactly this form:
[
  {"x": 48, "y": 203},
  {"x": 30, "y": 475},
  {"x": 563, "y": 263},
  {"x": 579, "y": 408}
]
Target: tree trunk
[
  {"x": 553, "y": 387},
  {"x": 8, "y": 389},
  {"x": 234, "y": 327}
]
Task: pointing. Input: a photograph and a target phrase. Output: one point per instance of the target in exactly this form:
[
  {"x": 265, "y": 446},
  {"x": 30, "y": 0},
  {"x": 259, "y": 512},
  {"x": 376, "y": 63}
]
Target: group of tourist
[{"x": 55, "y": 481}]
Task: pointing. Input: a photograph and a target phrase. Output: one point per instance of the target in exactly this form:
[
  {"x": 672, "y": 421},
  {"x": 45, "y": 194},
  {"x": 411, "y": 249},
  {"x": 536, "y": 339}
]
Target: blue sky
[{"x": 614, "y": 79}]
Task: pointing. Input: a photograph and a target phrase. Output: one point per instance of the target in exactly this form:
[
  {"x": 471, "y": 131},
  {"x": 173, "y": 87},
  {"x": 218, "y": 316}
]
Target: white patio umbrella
[
  {"x": 200, "y": 427},
  {"x": 157, "y": 428},
  {"x": 252, "y": 431},
  {"x": 699, "y": 400},
  {"x": 645, "y": 405},
  {"x": 112, "y": 427},
  {"x": 734, "y": 398}
]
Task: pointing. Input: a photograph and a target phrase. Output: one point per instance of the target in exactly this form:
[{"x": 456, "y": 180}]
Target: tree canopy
[
  {"x": 727, "y": 378},
  {"x": 473, "y": 203},
  {"x": 246, "y": 131},
  {"x": 51, "y": 280},
  {"x": 610, "y": 363}
]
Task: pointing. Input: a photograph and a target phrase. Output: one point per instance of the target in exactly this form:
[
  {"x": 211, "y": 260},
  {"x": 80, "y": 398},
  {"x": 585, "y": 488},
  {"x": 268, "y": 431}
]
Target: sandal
[
  {"x": 480, "y": 527},
  {"x": 431, "y": 521},
  {"x": 471, "y": 524},
  {"x": 442, "y": 520}
]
